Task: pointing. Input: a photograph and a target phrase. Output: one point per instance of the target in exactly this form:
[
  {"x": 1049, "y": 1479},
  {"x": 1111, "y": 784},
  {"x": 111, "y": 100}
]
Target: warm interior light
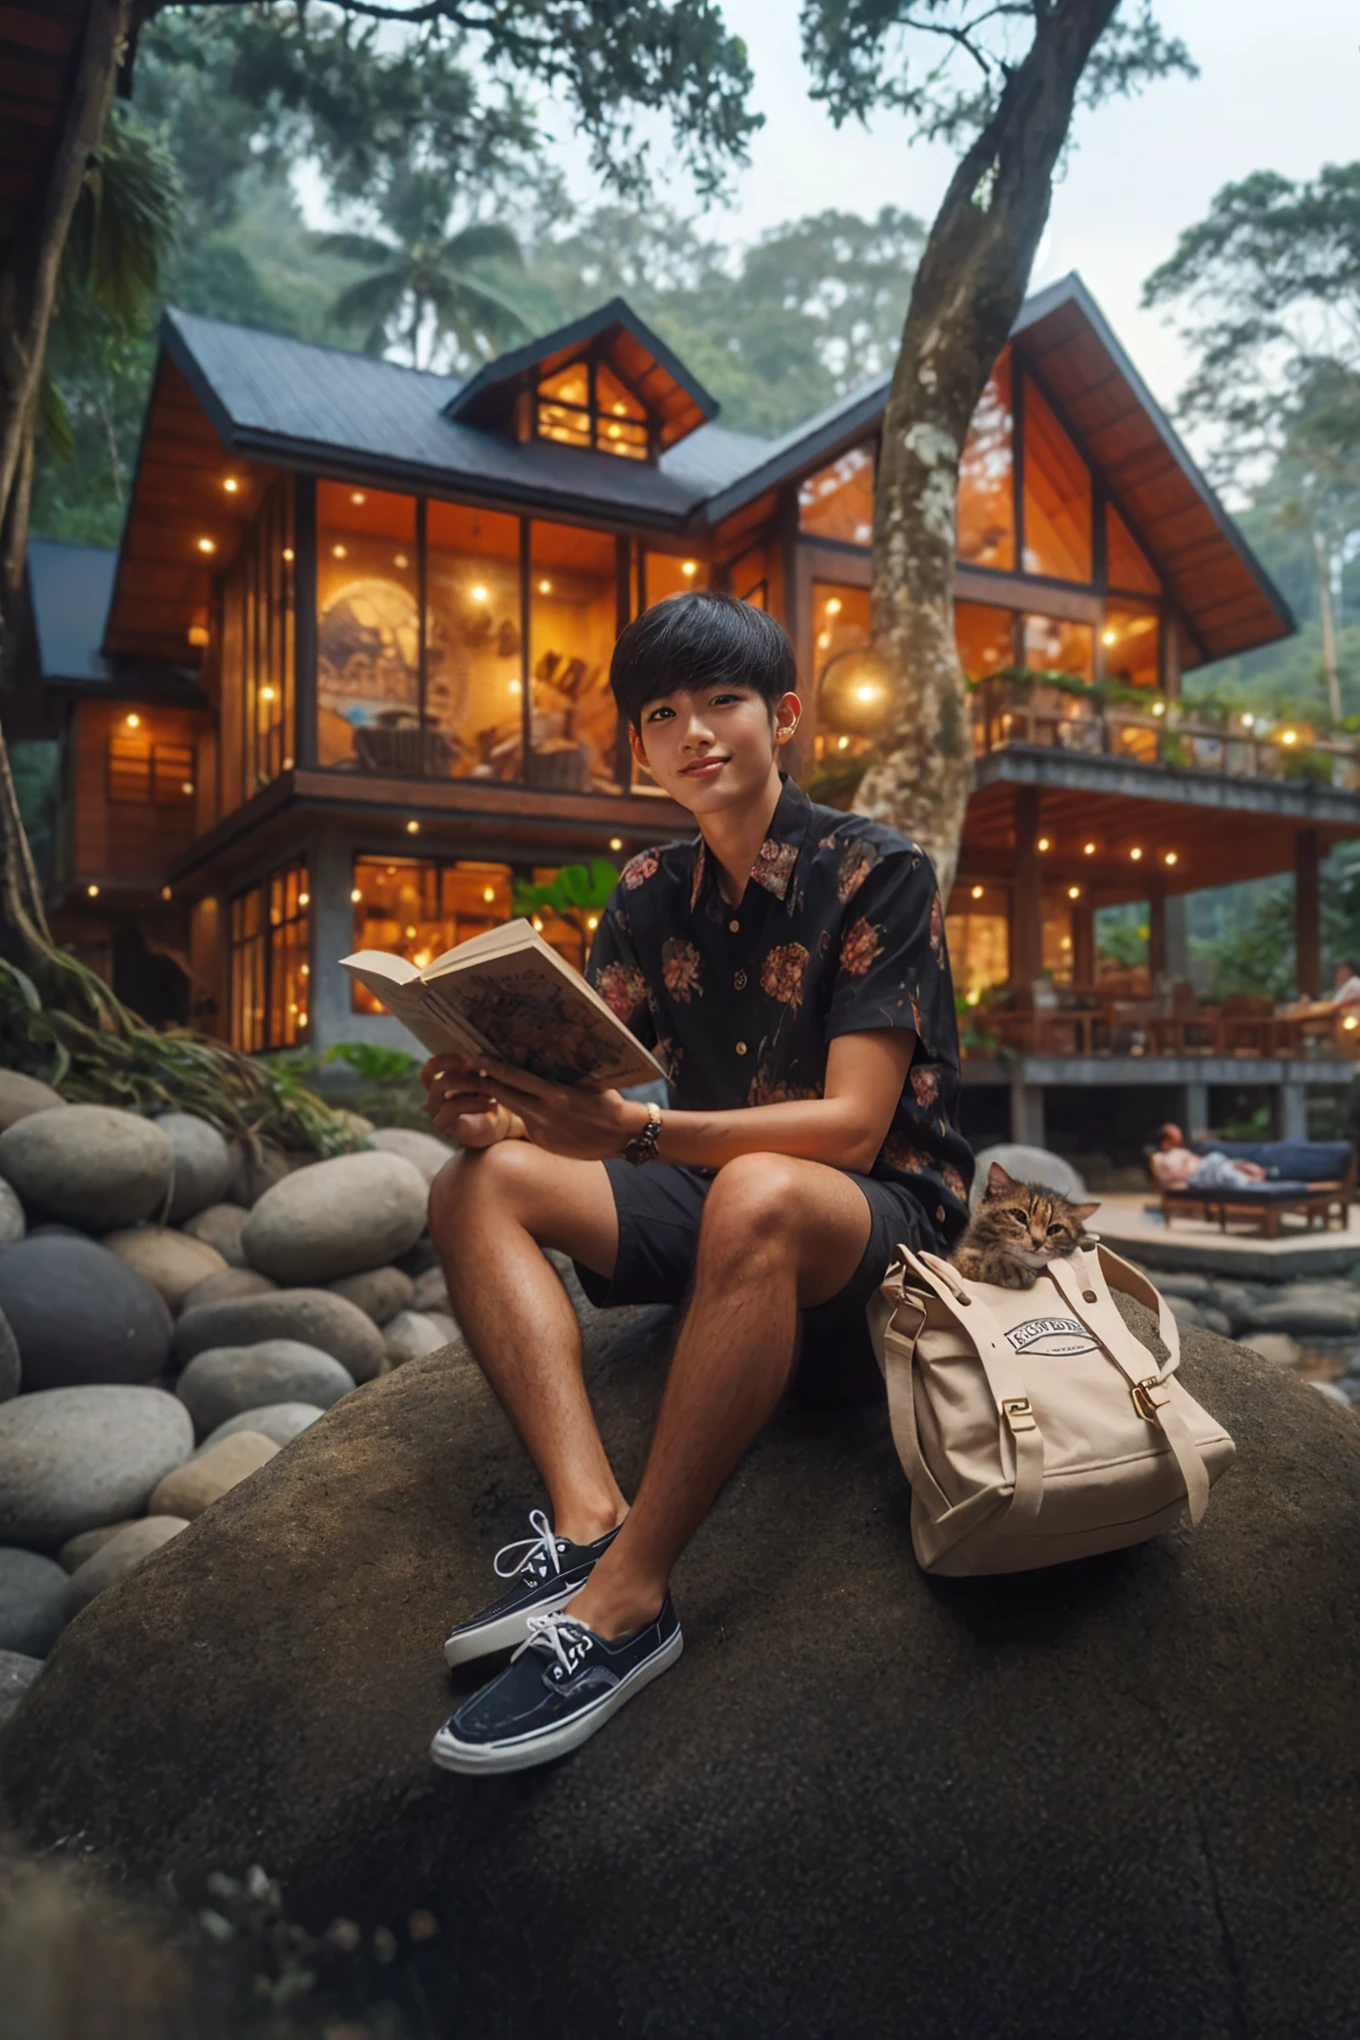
[
  {"x": 488, "y": 893},
  {"x": 1289, "y": 736},
  {"x": 356, "y": 895},
  {"x": 620, "y": 411},
  {"x": 689, "y": 568},
  {"x": 824, "y": 641},
  {"x": 616, "y": 842},
  {"x": 357, "y": 496},
  {"x": 400, "y": 560},
  {"x": 1159, "y": 708},
  {"x": 1088, "y": 849},
  {"x": 304, "y": 970},
  {"x": 288, "y": 554},
  {"x": 479, "y": 593},
  {"x": 287, "y": 764},
  {"x": 421, "y": 958},
  {"x": 198, "y": 634},
  {"x": 266, "y": 694},
  {"x": 304, "y": 899},
  {"x": 594, "y": 921},
  {"x": 514, "y": 686},
  {"x": 413, "y": 828},
  {"x": 1248, "y": 722},
  {"x": 1109, "y": 637},
  {"x": 1135, "y": 855},
  {"x": 1044, "y": 843},
  {"x": 165, "y": 892},
  {"x": 613, "y": 431},
  {"x": 1350, "y": 1022},
  {"x": 207, "y": 545},
  {"x": 545, "y": 587},
  {"x": 842, "y": 743},
  {"x": 1171, "y": 856},
  {"x": 187, "y": 786},
  {"x": 977, "y": 892},
  {"x": 134, "y": 722},
  {"x": 833, "y": 605},
  {"x": 410, "y": 934},
  {"x": 538, "y": 924},
  {"x": 866, "y": 693},
  {"x": 1074, "y": 892},
  {"x": 231, "y": 485},
  {"x": 93, "y": 891}
]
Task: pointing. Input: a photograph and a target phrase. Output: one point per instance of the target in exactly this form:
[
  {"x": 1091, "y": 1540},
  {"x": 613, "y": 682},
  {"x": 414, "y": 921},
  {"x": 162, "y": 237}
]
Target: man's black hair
[
  {"x": 698, "y": 640},
  {"x": 1349, "y": 963}
]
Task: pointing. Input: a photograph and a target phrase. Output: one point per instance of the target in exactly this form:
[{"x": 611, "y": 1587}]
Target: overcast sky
[{"x": 1279, "y": 88}]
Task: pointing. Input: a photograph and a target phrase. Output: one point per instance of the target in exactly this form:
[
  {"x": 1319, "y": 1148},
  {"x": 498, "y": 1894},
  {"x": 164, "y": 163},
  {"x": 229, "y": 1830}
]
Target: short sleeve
[
  {"x": 892, "y": 968},
  {"x": 617, "y": 976}
]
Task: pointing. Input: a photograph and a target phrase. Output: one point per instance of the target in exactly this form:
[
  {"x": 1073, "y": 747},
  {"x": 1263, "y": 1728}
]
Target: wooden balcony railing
[{"x": 1070, "y": 717}]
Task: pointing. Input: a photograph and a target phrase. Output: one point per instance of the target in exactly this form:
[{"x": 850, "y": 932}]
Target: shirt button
[
  {"x": 939, "y": 1213},
  {"x": 741, "y": 1048},
  {"x": 740, "y": 981},
  {"x": 735, "y": 926}
]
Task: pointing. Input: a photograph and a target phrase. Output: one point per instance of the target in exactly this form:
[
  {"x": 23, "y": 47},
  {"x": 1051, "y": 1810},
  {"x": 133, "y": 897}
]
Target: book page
[{"x": 535, "y": 1011}]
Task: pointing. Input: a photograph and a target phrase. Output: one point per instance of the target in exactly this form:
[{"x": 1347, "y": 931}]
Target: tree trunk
[
  {"x": 1323, "y": 557},
  {"x": 968, "y": 289},
  {"x": 29, "y": 281}
]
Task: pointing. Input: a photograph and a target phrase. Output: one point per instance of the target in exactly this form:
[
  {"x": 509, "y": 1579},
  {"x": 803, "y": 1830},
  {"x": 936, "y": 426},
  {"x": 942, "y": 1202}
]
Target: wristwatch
[{"x": 643, "y": 1146}]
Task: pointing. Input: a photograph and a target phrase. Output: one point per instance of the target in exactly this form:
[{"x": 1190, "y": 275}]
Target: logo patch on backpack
[{"x": 1052, "y": 1338}]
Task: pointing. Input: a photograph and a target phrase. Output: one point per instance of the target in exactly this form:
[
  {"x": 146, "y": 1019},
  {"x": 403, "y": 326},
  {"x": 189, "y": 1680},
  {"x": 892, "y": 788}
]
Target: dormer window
[{"x": 585, "y": 404}]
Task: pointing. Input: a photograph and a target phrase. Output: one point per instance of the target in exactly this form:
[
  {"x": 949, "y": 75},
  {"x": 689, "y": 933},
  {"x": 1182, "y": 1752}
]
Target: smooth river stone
[
  {"x": 230, "y": 1282},
  {"x": 191, "y": 1489},
  {"x": 21, "y": 1097},
  {"x": 316, "y": 1317},
  {"x": 74, "y": 1458},
  {"x": 280, "y": 1421},
  {"x": 172, "y": 1262},
  {"x": 17, "y": 1673},
  {"x": 120, "y": 1555},
  {"x": 31, "y": 1593},
  {"x": 225, "y": 1380},
  {"x": 91, "y": 1164},
  {"x": 410, "y": 1336},
  {"x": 203, "y": 1164},
  {"x": 11, "y": 1367},
  {"x": 336, "y": 1217},
  {"x": 379, "y": 1292},
  {"x": 12, "y": 1221},
  {"x": 220, "y": 1226},
  {"x": 426, "y": 1150},
  {"x": 80, "y": 1314},
  {"x": 76, "y": 1550}
]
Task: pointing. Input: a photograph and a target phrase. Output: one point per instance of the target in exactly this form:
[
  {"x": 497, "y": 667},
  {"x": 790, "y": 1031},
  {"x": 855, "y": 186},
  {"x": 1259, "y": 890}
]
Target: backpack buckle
[
  {"x": 1017, "y": 1412},
  {"x": 1145, "y": 1401}
]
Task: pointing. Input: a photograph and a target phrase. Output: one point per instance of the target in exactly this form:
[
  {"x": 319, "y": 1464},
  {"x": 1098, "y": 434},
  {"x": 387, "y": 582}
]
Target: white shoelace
[
  {"x": 560, "y": 1636},
  {"x": 538, "y": 1550}
]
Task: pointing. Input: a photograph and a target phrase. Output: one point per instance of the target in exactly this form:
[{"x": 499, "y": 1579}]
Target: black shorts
[{"x": 659, "y": 1207}]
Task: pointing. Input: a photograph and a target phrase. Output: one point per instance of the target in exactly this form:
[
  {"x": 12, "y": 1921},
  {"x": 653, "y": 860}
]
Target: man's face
[
  {"x": 711, "y": 747},
  {"x": 1342, "y": 973},
  {"x": 1171, "y": 1137}
]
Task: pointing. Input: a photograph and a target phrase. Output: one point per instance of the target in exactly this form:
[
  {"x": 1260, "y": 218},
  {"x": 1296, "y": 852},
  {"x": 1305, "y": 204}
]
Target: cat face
[{"x": 1028, "y": 1223}]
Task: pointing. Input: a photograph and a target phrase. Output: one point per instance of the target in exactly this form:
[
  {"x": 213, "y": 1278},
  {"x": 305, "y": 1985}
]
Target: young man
[{"x": 787, "y": 965}]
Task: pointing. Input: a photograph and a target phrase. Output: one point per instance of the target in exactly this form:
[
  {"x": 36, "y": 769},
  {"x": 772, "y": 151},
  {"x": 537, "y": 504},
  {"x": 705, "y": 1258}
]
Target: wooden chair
[{"x": 1247, "y": 1025}]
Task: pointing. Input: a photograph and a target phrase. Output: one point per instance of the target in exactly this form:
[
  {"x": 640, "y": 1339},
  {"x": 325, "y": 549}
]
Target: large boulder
[
  {"x": 80, "y": 1314},
  {"x": 426, "y": 1150},
  {"x": 172, "y": 1262},
  {"x": 11, "y": 1367},
  {"x": 334, "y": 1218},
  {"x": 21, "y": 1097},
  {"x": 221, "y": 1226},
  {"x": 203, "y": 1164},
  {"x": 863, "y": 1800},
  {"x": 118, "y": 1556},
  {"x": 1027, "y": 1165},
  {"x": 91, "y": 1164},
  {"x": 12, "y": 1220},
  {"x": 17, "y": 1673},
  {"x": 225, "y": 1380},
  {"x": 31, "y": 1595},
  {"x": 75, "y": 1458},
  {"x": 315, "y": 1317}
]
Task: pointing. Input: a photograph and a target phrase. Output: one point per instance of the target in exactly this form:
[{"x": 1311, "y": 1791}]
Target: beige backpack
[{"x": 1032, "y": 1424}]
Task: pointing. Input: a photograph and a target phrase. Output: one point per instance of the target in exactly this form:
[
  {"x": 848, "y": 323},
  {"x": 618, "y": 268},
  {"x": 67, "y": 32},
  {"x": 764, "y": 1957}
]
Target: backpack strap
[
  {"x": 1121, "y": 1274},
  {"x": 1081, "y": 1282},
  {"x": 1002, "y": 1374}
]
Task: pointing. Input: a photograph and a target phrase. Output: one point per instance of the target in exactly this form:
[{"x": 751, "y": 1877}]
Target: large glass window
[
  {"x": 473, "y": 654},
  {"x": 986, "y": 512},
  {"x": 986, "y": 638},
  {"x": 417, "y": 908},
  {"x": 666, "y": 574},
  {"x": 750, "y": 577},
  {"x": 838, "y": 501},
  {"x": 1126, "y": 564},
  {"x": 1057, "y": 496},
  {"x": 573, "y": 609},
  {"x": 1052, "y": 645},
  {"x": 257, "y": 652},
  {"x": 977, "y": 930},
  {"x": 1128, "y": 645},
  {"x": 269, "y": 967},
  {"x": 585, "y": 404},
  {"x": 368, "y": 630}
]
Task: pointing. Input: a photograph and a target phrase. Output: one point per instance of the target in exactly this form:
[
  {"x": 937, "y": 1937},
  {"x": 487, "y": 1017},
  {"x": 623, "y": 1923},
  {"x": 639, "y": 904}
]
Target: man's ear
[
  {"x": 636, "y": 745},
  {"x": 787, "y": 711}
]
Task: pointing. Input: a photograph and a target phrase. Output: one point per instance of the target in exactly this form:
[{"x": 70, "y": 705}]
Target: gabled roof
[
  {"x": 614, "y": 333},
  {"x": 1223, "y": 591},
  {"x": 70, "y": 590}
]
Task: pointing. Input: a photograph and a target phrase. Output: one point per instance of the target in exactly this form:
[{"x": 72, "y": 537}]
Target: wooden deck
[{"x": 1132, "y": 1225}]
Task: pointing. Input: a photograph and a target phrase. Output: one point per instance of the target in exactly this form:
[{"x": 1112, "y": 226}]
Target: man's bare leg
[
  {"x": 778, "y": 1234},
  {"x": 491, "y": 1211}
]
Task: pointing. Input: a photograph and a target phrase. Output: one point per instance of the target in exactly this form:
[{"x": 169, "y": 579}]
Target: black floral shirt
[{"x": 840, "y": 929}]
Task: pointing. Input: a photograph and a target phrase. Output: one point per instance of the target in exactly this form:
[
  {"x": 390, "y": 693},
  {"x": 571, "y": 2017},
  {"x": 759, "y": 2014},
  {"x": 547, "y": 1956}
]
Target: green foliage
[
  {"x": 35, "y": 764},
  {"x": 373, "y": 1064},
  {"x": 574, "y": 891},
  {"x": 1122, "y": 935}
]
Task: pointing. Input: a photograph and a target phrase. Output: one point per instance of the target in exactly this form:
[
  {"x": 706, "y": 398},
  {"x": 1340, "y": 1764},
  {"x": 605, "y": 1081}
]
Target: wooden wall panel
[{"x": 129, "y": 841}]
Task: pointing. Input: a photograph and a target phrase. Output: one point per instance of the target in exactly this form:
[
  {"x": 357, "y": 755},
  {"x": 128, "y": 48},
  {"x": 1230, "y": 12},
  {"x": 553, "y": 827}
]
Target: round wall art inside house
[{"x": 368, "y": 664}]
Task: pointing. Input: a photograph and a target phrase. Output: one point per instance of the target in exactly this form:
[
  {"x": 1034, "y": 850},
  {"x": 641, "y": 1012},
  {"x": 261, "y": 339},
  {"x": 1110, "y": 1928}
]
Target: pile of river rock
[{"x": 172, "y": 1312}]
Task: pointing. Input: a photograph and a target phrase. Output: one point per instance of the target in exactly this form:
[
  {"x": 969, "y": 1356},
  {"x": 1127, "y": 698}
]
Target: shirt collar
[{"x": 777, "y": 858}]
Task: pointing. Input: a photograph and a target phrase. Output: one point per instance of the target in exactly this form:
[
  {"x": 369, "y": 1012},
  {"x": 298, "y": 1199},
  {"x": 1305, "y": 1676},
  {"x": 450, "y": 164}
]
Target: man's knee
[
  {"x": 475, "y": 1173},
  {"x": 753, "y": 1198}
]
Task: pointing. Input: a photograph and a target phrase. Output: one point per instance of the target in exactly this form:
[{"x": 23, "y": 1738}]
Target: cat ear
[
  {"x": 1085, "y": 1211},
  {"x": 998, "y": 1181}
]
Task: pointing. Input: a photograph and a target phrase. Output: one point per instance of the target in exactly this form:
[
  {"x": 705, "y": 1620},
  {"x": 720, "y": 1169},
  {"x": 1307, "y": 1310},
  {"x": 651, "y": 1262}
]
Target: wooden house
[{"x": 346, "y": 678}]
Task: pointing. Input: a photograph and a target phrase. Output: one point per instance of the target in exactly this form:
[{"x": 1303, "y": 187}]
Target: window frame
[
  {"x": 262, "y": 941},
  {"x": 592, "y": 359}
]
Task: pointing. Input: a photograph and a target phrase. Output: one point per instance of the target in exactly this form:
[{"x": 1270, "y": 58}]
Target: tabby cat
[{"x": 1017, "y": 1230}]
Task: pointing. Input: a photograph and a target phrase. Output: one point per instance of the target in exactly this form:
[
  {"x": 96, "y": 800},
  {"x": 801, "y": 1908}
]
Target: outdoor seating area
[
  {"x": 1312, "y": 1180},
  {"x": 1121, "y": 1016}
]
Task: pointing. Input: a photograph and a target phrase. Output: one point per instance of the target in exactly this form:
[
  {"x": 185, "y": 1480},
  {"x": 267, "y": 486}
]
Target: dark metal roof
[
  {"x": 643, "y": 360},
  {"x": 70, "y": 588}
]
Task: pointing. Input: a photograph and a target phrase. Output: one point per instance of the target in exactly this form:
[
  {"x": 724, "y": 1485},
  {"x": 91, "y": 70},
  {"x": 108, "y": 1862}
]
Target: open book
[{"x": 509, "y": 994}]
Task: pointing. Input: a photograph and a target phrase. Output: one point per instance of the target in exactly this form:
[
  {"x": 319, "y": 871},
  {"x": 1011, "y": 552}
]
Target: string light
[
  {"x": 93, "y": 891},
  {"x": 593, "y": 922},
  {"x": 1171, "y": 857},
  {"x": 134, "y": 722},
  {"x": 1088, "y": 849},
  {"x": 1074, "y": 892},
  {"x": 833, "y": 605},
  {"x": 1289, "y": 736},
  {"x": 358, "y": 498},
  {"x": 616, "y": 842},
  {"x": 1109, "y": 637},
  {"x": 304, "y": 899},
  {"x": 545, "y": 587},
  {"x": 187, "y": 786},
  {"x": 266, "y": 694},
  {"x": 231, "y": 485},
  {"x": 538, "y": 924},
  {"x": 356, "y": 895},
  {"x": 488, "y": 893},
  {"x": 207, "y": 545},
  {"x": 689, "y": 568},
  {"x": 413, "y": 828},
  {"x": 843, "y": 744},
  {"x": 1044, "y": 843},
  {"x": 338, "y": 552},
  {"x": 1135, "y": 855},
  {"x": 977, "y": 892},
  {"x": 288, "y": 554},
  {"x": 1159, "y": 708}
]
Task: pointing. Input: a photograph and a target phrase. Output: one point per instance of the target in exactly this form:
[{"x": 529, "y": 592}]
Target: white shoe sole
[
  {"x": 505, "y": 1632},
  {"x": 524, "y": 1752}
]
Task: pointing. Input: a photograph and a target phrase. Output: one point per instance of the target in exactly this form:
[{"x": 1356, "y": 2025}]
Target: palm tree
[{"x": 425, "y": 285}]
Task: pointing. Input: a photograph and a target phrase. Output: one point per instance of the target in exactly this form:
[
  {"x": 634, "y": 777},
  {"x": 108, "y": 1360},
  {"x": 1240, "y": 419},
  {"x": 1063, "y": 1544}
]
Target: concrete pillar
[
  {"x": 1307, "y": 914},
  {"x": 1027, "y": 1113},
  {"x": 1156, "y": 930},
  {"x": 1027, "y": 914},
  {"x": 330, "y": 871},
  {"x": 1084, "y": 941},
  {"x": 1292, "y": 1112},
  {"x": 1195, "y": 1108},
  {"x": 1177, "y": 938}
]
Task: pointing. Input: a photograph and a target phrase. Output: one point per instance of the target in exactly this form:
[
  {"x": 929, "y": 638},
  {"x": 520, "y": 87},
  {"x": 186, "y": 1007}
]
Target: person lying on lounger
[{"x": 1177, "y": 1167}]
